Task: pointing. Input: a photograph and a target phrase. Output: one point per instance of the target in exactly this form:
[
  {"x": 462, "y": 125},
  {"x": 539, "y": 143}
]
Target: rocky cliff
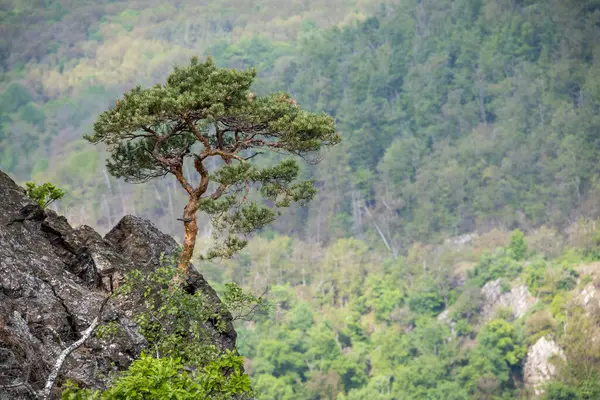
[
  {"x": 53, "y": 278},
  {"x": 517, "y": 299},
  {"x": 539, "y": 368}
]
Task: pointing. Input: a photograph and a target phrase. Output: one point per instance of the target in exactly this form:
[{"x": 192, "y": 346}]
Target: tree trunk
[{"x": 189, "y": 241}]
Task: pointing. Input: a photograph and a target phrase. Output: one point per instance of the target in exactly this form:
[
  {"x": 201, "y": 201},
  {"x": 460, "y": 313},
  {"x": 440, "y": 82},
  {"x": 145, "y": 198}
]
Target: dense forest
[{"x": 464, "y": 123}]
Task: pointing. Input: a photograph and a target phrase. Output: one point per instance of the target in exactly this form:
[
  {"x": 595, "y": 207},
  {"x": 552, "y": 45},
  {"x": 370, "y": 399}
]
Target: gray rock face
[
  {"x": 52, "y": 280},
  {"x": 538, "y": 368},
  {"x": 590, "y": 297},
  {"x": 518, "y": 299}
]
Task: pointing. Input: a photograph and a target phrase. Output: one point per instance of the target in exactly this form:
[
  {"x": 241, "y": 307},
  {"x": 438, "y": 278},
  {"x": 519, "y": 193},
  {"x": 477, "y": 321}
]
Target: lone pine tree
[{"x": 205, "y": 112}]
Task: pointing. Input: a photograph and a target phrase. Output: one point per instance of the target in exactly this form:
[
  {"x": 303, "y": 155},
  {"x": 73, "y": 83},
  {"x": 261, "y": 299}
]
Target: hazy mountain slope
[
  {"x": 458, "y": 117},
  {"x": 66, "y": 61}
]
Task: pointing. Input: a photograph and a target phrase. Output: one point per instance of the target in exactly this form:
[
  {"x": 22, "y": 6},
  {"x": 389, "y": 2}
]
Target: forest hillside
[{"x": 453, "y": 249}]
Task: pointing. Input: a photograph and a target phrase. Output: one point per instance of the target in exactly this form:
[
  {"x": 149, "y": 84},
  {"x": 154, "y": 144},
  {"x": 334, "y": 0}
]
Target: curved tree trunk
[{"x": 189, "y": 241}]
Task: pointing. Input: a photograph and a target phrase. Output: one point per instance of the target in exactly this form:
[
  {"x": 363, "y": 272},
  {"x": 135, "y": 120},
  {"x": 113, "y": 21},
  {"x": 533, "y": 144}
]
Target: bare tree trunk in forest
[
  {"x": 481, "y": 90},
  {"x": 357, "y": 213},
  {"x": 318, "y": 224},
  {"x": 381, "y": 234}
]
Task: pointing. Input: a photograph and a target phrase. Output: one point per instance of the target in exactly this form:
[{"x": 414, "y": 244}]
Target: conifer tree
[{"x": 205, "y": 112}]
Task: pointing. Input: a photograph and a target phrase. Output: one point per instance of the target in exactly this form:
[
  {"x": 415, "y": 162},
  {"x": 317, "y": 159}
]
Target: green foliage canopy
[{"x": 205, "y": 112}]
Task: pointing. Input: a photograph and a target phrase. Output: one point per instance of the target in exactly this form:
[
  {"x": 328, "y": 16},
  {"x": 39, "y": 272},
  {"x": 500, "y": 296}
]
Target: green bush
[
  {"x": 499, "y": 335},
  {"x": 45, "y": 194},
  {"x": 427, "y": 300},
  {"x": 150, "y": 378},
  {"x": 545, "y": 280},
  {"x": 560, "y": 391},
  {"x": 517, "y": 247},
  {"x": 493, "y": 266},
  {"x": 185, "y": 363}
]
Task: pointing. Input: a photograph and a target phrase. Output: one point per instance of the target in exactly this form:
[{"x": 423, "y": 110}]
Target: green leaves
[
  {"x": 241, "y": 305},
  {"x": 517, "y": 246},
  {"x": 237, "y": 214},
  {"x": 224, "y": 379},
  {"x": 212, "y": 99},
  {"x": 182, "y": 362},
  {"x": 44, "y": 194},
  {"x": 203, "y": 112},
  {"x": 500, "y": 264},
  {"x": 500, "y": 335},
  {"x": 152, "y": 378}
]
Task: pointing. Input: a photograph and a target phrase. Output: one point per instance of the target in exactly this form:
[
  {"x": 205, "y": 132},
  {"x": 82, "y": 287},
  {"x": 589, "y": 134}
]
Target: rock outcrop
[
  {"x": 538, "y": 368},
  {"x": 53, "y": 279},
  {"x": 518, "y": 299},
  {"x": 590, "y": 297}
]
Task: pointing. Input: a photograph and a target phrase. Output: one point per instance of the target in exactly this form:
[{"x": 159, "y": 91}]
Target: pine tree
[{"x": 205, "y": 112}]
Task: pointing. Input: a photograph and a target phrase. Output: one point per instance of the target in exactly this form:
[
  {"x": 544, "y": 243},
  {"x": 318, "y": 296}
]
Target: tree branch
[
  {"x": 151, "y": 131},
  {"x": 221, "y": 144},
  {"x": 198, "y": 135},
  {"x": 178, "y": 172},
  {"x": 133, "y": 137},
  {"x": 45, "y": 394},
  {"x": 218, "y": 192},
  {"x": 253, "y": 155},
  {"x": 224, "y": 155},
  {"x": 201, "y": 189},
  {"x": 261, "y": 143}
]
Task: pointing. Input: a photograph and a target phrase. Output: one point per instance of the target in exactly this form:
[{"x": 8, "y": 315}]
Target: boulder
[{"x": 53, "y": 278}]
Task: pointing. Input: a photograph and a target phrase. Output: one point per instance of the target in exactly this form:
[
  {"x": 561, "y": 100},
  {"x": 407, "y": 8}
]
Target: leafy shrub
[
  {"x": 185, "y": 363},
  {"x": 544, "y": 280},
  {"x": 383, "y": 296},
  {"x": 539, "y": 324},
  {"x": 150, "y": 378},
  {"x": 14, "y": 96},
  {"x": 468, "y": 304},
  {"x": 463, "y": 328},
  {"x": 504, "y": 312},
  {"x": 560, "y": 391},
  {"x": 493, "y": 266},
  {"x": 534, "y": 275},
  {"x": 558, "y": 306},
  {"x": 427, "y": 300},
  {"x": 32, "y": 114},
  {"x": 517, "y": 247},
  {"x": 45, "y": 194},
  {"x": 498, "y": 334},
  {"x": 546, "y": 241}
]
